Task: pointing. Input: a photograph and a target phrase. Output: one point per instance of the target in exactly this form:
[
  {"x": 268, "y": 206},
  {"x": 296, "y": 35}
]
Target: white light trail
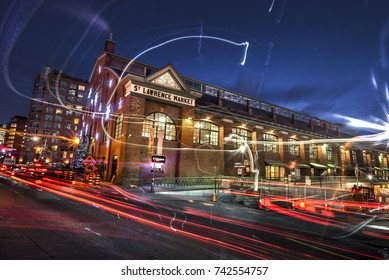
[{"x": 271, "y": 6}]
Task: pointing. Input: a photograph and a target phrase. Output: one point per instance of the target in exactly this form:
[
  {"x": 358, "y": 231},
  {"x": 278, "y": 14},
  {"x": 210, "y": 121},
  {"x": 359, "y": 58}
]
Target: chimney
[{"x": 109, "y": 45}]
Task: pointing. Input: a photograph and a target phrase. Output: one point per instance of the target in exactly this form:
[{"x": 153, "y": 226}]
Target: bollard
[
  {"x": 90, "y": 179},
  {"x": 97, "y": 180}
]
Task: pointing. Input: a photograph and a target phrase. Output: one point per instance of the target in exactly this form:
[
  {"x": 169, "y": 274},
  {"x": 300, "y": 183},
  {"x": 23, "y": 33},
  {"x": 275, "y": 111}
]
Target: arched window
[
  {"x": 206, "y": 133},
  {"x": 159, "y": 121},
  {"x": 294, "y": 147},
  {"x": 242, "y": 132},
  {"x": 246, "y": 135},
  {"x": 271, "y": 143}
]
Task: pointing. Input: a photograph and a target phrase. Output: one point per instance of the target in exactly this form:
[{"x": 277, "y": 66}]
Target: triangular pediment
[{"x": 168, "y": 78}]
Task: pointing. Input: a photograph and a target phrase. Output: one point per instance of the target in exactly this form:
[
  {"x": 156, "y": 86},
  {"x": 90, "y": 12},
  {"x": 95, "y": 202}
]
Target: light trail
[
  {"x": 271, "y": 5},
  {"x": 196, "y": 228}
]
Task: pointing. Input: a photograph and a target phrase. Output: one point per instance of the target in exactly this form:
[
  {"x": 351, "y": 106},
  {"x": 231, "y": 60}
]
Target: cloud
[{"x": 316, "y": 100}]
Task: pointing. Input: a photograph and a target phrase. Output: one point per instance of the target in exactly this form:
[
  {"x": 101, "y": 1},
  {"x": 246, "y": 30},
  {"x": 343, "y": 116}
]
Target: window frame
[
  {"x": 206, "y": 132},
  {"x": 159, "y": 121},
  {"x": 273, "y": 146}
]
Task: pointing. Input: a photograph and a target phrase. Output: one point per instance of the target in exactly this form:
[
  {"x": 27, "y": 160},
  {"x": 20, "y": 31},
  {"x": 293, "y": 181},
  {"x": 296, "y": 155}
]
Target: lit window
[
  {"x": 159, "y": 121},
  {"x": 81, "y": 87},
  {"x": 271, "y": 143},
  {"x": 119, "y": 126},
  {"x": 272, "y": 172},
  {"x": 330, "y": 153},
  {"x": 58, "y": 111},
  {"x": 245, "y": 134},
  {"x": 313, "y": 151},
  {"x": 76, "y": 121},
  {"x": 294, "y": 147},
  {"x": 206, "y": 133}
]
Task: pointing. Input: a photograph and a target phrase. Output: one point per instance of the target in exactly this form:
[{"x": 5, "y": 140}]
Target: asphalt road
[{"x": 38, "y": 224}]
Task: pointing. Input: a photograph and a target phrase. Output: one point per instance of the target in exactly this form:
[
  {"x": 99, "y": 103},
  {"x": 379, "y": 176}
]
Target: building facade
[
  {"x": 54, "y": 118},
  {"x": 15, "y": 137},
  {"x": 146, "y": 122}
]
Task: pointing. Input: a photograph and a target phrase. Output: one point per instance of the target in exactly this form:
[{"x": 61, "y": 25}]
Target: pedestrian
[{"x": 101, "y": 167}]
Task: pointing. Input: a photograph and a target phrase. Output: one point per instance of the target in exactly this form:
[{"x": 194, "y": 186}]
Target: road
[{"x": 54, "y": 219}]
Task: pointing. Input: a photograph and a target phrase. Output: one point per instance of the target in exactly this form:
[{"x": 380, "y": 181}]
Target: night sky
[{"x": 321, "y": 57}]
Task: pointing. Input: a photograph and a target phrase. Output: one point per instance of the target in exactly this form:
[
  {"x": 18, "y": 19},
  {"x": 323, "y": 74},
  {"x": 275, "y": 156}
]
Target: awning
[
  {"x": 330, "y": 165},
  {"x": 319, "y": 166},
  {"x": 274, "y": 162},
  {"x": 302, "y": 165}
]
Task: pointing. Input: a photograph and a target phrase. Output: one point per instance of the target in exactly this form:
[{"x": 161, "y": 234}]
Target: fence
[{"x": 189, "y": 183}]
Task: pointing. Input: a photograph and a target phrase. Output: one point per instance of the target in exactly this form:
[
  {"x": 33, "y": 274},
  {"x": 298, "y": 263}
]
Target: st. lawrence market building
[{"x": 148, "y": 122}]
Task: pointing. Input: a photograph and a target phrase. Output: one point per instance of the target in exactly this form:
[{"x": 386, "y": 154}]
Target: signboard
[
  {"x": 158, "y": 159},
  {"x": 167, "y": 96},
  {"x": 89, "y": 164},
  {"x": 9, "y": 161}
]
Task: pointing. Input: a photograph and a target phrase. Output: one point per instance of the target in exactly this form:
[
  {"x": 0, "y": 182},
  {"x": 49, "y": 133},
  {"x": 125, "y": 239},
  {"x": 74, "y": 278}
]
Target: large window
[
  {"x": 313, "y": 151},
  {"x": 206, "y": 133},
  {"x": 119, "y": 126},
  {"x": 270, "y": 143},
  {"x": 159, "y": 121},
  {"x": 245, "y": 134},
  {"x": 330, "y": 153},
  {"x": 354, "y": 157},
  {"x": 272, "y": 172},
  {"x": 294, "y": 147},
  {"x": 242, "y": 132}
]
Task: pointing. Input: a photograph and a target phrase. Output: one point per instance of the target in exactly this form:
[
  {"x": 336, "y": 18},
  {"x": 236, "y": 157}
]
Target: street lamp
[{"x": 76, "y": 142}]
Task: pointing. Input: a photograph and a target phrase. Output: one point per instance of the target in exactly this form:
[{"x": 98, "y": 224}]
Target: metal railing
[{"x": 188, "y": 183}]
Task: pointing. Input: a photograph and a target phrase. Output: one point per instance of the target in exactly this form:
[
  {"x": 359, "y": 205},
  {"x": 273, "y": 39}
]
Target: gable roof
[{"x": 168, "y": 78}]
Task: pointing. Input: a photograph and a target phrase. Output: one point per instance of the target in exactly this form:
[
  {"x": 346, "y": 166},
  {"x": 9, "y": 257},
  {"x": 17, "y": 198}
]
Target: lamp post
[{"x": 76, "y": 142}]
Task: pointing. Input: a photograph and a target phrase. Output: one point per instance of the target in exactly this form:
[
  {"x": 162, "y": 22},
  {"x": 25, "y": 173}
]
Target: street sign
[
  {"x": 89, "y": 164},
  {"x": 158, "y": 159}
]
